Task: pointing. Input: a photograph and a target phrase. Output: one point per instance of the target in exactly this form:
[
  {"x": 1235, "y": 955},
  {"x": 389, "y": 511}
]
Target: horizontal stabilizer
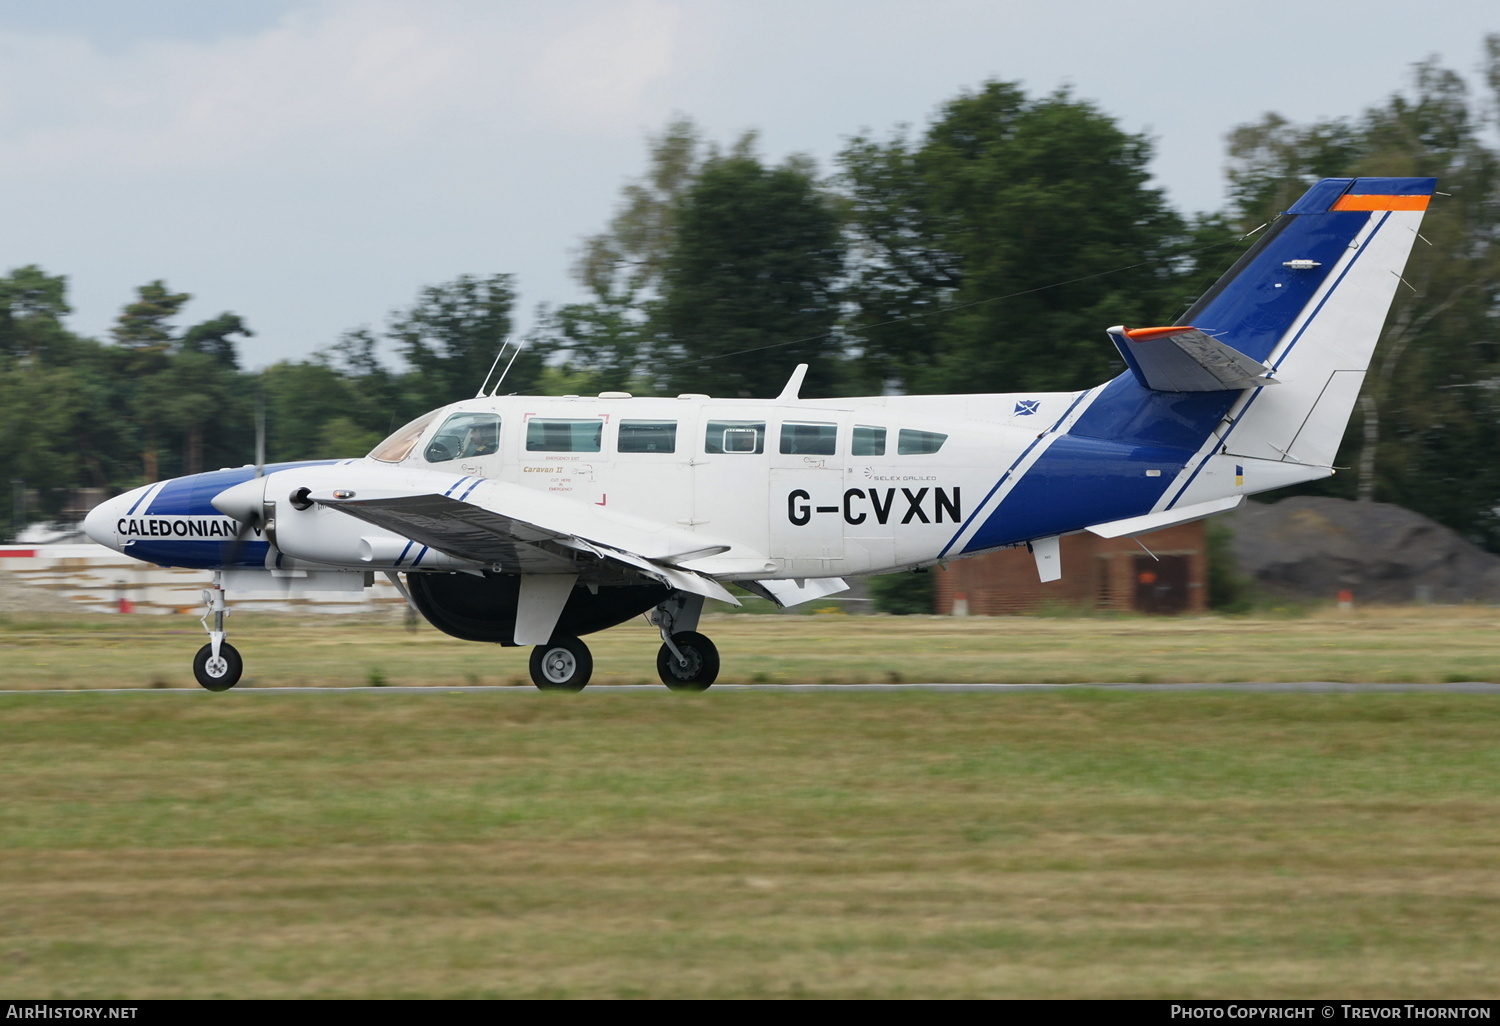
[
  {"x": 1132, "y": 526},
  {"x": 1184, "y": 359}
]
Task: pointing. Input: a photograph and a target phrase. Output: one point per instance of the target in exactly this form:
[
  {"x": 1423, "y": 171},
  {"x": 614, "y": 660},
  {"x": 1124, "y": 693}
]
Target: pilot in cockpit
[{"x": 479, "y": 441}]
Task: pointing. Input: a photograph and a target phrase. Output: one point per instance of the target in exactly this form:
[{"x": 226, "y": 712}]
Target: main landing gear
[
  {"x": 686, "y": 661},
  {"x": 562, "y": 664},
  {"x": 218, "y": 665}
]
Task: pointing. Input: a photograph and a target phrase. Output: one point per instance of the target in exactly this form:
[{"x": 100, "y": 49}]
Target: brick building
[{"x": 1097, "y": 573}]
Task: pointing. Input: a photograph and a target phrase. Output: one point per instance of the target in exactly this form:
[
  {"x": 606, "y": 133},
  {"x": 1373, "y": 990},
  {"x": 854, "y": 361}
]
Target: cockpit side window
[
  {"x": 399, "y": 445},
  {"x": 464, "y": 436}
]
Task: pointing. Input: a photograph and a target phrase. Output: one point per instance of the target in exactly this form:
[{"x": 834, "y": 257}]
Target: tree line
[{"x": 985, "y": 252}]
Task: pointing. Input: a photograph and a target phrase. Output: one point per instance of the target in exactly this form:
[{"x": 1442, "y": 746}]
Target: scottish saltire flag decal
[{"x": 1026, "y": 407}]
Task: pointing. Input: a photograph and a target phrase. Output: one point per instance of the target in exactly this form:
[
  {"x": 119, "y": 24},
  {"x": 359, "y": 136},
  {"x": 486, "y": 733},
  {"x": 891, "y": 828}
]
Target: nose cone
[
  {"x": 101, "y": 524},
  {"x": 244, "y": 501}
]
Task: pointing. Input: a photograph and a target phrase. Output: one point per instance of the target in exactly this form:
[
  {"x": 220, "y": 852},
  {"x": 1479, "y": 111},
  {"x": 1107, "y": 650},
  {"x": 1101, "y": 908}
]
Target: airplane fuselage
[{"x": 789, "y": 489}]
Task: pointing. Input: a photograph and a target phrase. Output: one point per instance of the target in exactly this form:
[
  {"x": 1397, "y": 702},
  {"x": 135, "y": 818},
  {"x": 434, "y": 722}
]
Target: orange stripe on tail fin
[{"x": 1381, "y": 203}]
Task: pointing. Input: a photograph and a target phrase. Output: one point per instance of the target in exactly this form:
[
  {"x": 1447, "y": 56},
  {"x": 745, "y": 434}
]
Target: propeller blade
[
  {"x": 230, "y": 553},
  {"x": 245, "y": 502}
]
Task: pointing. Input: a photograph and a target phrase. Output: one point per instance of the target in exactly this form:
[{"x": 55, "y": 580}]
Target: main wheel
[
  {"x": 219, "y": 674},
  {"x": 701, "y": 668},
  {"x": 562, "y": 664}
]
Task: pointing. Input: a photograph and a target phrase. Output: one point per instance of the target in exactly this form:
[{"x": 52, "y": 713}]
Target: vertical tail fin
[
  {"x": 1306, "y": 301},
  {"x": 1311, "y": 303}
]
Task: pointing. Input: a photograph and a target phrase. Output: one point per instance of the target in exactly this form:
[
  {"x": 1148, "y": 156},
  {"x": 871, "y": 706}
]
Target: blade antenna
[
  {"x": 260, "y": 434},
  {"x": 519, "y": 346},
  {"x": 493, "y": 364}
]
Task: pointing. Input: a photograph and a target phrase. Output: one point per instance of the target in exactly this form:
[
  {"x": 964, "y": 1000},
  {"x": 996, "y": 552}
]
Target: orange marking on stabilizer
[
  {"x": 1147, "y": 334},
  {"x": 1381, "y": 203}
]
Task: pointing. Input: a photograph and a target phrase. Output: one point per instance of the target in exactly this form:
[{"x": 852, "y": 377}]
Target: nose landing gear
[{"x": 218, "y": 665}]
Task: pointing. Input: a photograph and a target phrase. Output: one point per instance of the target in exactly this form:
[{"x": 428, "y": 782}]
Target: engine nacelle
[{"x": 323, "y": 535}]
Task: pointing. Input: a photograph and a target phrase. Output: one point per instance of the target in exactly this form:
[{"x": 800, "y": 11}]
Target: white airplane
[{"x": 532, "y": 521}]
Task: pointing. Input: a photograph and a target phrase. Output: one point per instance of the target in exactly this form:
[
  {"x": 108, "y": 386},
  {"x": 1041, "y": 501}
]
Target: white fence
[{"x": 97, "y": 579}]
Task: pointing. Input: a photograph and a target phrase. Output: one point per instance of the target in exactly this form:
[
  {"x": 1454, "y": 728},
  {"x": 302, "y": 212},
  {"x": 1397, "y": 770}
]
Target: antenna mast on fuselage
[
  {"x": 519, "y": 346},
  {"x": 493, "y": 364}
]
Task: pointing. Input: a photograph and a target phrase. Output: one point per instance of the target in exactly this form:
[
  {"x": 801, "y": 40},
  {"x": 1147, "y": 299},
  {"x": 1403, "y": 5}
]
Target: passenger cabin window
[
  {"x": 809, "y": 439},
  {"x": 563, "y": 435},
  {"x": 748, "y": 436},
  {"x": 869, "y": 441},
  {"x": 918, "y": 443},
  {"x": 464, "y": 436},
  {"x": 648, "y": 436},
  {"x": 399, "y": 445}
]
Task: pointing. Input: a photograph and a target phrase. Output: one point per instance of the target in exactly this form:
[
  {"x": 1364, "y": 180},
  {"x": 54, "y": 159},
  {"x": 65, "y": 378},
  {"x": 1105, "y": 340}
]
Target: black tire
[
  {"x": 563, "y": 664},
  {"x": 702, "y": 667},
  {"x": 224, "y": 674}
]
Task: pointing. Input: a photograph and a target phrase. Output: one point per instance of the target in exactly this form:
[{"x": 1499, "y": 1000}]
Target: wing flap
[{"x": 787, "y": 593}]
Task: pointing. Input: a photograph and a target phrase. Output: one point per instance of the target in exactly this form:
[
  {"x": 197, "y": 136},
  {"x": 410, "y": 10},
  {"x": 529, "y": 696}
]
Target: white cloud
[{"x": 359, "y": 75}]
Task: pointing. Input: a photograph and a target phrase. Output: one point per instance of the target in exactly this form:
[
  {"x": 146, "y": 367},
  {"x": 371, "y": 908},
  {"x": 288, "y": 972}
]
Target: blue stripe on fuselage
[
  {"x": 191, "y": 496},
  {"x": 1079, "y": 482}
]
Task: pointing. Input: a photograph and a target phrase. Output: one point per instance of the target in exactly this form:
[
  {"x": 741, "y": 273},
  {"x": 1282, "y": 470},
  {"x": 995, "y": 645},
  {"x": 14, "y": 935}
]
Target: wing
[{"x": 553, "y": 536}]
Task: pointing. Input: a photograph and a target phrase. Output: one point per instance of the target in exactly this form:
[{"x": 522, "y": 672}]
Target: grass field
[
  {"x": 620, "y": 843},
  {"x": 1412, "y": 645},
  {"x": 1086, "y": 843}
]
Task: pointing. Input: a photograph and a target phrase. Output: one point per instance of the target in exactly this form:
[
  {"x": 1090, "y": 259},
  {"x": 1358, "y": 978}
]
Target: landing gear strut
[
  {"x": 563, "y": 664},
  {"x": 686, "y": 661},
  {"x": 218, "y": 665}
]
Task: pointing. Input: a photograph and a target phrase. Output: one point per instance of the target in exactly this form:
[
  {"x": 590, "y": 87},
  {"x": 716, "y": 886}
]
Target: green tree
[
  {"x": 751, "y": 285},
  {"x": 213, "y": 338},
  {"x": 992, "y": 255},
  {"x": 903, "y": 594},
  {"x": 604, "y": 341},
  {"x": 451, "y": 334},
  {"x": 143, "y": 325},
  {"x": 32, "y": 306}
]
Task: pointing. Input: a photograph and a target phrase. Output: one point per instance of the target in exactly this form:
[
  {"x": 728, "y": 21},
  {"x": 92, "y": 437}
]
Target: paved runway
[{"x": 1311, "y": 687}]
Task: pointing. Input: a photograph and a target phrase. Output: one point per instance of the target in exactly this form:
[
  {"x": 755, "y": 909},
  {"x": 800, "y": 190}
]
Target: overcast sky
[{"x": 310, "y": 164}]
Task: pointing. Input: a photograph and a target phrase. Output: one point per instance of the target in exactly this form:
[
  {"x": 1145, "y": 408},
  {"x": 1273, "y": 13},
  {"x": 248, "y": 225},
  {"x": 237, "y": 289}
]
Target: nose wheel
[
  {"x": 218, "y": 665},
  {"x": 563, "y": 664},
  {"x": 221, "y": 671}
]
